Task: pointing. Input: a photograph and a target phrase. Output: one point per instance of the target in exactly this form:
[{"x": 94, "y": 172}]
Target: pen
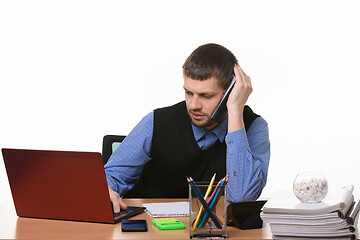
[
  {"x": 203, "y": 202},
  {"x": 205, "y": 197}
]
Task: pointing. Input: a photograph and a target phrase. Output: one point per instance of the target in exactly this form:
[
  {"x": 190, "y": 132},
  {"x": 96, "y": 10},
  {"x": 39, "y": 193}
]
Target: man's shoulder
[
  {"x": 249, "y": 117},
  {"x": 257, "y": 126},
  {"x": 149, "y": 118},
  {"x": 175, "y": 115},
  {"x": 176, "y": 106},
  {"x": 172, "y": 112},
  {"x": 260, "y": 121}
]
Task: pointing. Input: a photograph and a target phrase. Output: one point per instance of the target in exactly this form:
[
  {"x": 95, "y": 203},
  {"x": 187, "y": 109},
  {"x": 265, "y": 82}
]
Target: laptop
[{"x": 62, "y": 185}]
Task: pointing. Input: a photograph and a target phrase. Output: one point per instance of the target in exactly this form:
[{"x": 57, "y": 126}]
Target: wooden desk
[{"x": 13, "y": 227}]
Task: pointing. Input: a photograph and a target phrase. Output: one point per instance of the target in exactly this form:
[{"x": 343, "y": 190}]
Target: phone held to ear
[{"x": 221, "y": 110}]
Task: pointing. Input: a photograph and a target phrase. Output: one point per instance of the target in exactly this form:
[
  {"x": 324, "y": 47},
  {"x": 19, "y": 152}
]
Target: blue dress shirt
[{"x": 247, "y": 156}]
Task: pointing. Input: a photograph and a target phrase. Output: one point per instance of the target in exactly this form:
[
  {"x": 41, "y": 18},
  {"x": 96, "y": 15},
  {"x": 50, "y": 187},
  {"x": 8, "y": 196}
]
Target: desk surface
[{"x": 13, "y": 227}]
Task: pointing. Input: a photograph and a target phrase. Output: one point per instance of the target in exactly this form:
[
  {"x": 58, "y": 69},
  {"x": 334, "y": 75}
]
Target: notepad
[{"x": 168, "y": 209}]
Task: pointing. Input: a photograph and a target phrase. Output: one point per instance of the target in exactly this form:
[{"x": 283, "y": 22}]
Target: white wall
[{"x": 73, "y": 71}]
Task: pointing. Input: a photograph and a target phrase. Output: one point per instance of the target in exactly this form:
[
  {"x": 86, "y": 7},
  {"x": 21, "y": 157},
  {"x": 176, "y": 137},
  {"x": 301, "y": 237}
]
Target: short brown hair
[{"x": 211, "y": 60}]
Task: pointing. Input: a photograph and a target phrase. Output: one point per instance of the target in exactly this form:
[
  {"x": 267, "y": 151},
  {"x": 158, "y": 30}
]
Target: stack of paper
[{"x": 291, "y": 219}]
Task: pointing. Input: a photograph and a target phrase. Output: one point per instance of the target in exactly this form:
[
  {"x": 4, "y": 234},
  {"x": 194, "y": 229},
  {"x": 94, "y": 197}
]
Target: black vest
[{"x": 175, "y": 154}]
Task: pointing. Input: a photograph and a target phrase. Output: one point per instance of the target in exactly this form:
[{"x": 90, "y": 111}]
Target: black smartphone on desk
[
  {"x": 221, "y": 110},
  {"x": 137, "y": 225}
]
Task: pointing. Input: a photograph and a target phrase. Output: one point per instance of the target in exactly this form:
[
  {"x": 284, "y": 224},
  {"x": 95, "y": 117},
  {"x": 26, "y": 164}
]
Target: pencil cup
[{"x": 207, "y": 221}]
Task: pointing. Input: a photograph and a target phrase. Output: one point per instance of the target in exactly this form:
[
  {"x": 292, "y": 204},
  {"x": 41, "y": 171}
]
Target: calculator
[{"x": 168, "y": 223}]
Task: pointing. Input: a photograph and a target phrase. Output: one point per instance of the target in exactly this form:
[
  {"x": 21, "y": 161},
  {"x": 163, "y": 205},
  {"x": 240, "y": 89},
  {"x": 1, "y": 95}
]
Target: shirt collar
[{"x": 220, "y": 131}]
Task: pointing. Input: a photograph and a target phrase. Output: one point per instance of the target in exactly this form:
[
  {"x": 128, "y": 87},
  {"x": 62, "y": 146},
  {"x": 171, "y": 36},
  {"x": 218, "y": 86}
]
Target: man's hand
[
  {"x": 116, "y": 201},
  {"x": 237, "y": 99}
]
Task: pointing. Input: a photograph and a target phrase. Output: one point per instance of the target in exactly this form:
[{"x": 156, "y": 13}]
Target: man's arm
[
  {"x": 127, "y": 162},
  {"x": 248, "y": 153},
  {"x": 247, "y": 161}
]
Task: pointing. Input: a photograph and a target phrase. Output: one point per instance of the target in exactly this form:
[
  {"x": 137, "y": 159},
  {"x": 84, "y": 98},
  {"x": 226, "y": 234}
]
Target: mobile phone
[
  {"x": 138, "y": 225},
  {"x": 220, "y": 111}
]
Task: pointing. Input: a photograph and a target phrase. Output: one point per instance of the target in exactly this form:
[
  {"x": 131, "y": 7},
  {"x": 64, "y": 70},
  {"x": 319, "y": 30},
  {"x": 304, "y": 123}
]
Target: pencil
[
  {"x": 203, "y": 202},
  {"x": 215, "y": 200},
  {"x": 214, "y": 192},
  {"x": 205, "y": 197},
  {"x": 210, "y": 199}
]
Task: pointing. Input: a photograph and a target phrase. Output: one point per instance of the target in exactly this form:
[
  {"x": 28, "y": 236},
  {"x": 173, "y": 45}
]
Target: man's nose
[{"x": 196, "y": 103}]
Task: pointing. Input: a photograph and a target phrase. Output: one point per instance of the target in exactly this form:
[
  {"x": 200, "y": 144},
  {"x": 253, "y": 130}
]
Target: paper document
[
  {"x": 289, "y": 218},
  {"x": 168, "y": 209},
  {"x": 287, "y": 203}
]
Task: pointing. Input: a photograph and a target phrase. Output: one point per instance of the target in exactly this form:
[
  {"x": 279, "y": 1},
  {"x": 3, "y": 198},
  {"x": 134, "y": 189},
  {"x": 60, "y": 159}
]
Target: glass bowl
[{"x": 310, "y": 187}]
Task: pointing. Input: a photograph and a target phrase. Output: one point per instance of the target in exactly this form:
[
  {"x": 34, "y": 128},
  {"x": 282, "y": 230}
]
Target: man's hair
[{"x": 210, "y": 60}]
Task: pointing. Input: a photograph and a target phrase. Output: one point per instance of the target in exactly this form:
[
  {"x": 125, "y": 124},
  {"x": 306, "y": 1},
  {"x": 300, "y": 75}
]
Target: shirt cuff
[{"x": 236, "y": 141}]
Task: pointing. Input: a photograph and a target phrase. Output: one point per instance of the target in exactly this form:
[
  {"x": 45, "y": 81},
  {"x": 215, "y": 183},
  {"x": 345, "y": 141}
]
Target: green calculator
[{"x": 168, "y": 223}]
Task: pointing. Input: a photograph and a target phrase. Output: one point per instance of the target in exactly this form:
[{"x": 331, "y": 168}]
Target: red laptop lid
[{"x": 58, "y": 185}]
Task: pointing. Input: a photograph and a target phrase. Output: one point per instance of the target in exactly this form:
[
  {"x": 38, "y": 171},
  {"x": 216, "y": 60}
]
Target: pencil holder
[{"x": 207, "y": 221}]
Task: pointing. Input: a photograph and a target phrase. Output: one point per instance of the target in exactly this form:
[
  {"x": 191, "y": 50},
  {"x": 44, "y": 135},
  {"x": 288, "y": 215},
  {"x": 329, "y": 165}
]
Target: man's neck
[{"x": 212, "y": 126}]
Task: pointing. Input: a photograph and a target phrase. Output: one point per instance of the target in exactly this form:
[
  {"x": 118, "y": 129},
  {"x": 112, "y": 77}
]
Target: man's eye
[
  {"x": 206, "y": 96},
  {"x": 188, "y": 93}
]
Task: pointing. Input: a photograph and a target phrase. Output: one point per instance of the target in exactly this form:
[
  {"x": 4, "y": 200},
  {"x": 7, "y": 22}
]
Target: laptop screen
[{"x": 58, "y": 185}]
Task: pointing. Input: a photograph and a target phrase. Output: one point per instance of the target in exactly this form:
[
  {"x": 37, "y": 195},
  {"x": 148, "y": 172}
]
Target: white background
[{"x": 74, "y": 71}]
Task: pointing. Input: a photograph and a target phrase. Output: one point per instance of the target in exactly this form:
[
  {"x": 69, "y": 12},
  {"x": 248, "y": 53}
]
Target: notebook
[
  {"x": 61, "y": 185},
  {"x": 168, "y": 209}
]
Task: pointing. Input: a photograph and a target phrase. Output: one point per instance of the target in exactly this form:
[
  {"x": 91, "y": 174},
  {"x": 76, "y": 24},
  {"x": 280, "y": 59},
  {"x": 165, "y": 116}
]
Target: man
[{"x": 182, "y": 140}]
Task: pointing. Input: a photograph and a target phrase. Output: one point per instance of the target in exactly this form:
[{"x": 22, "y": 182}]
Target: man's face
[{"x": 201, "y": 98}]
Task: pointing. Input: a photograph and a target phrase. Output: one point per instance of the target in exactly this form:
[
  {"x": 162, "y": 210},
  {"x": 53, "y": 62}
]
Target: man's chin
[{"x": 208, "y": 124}]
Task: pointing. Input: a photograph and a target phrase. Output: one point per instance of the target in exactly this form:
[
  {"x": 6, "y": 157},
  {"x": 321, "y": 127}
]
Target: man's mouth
[{"x": 197, "y": 116}]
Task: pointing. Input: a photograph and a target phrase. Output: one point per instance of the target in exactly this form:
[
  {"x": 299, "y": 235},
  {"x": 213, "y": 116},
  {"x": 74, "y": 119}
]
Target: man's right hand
[{"x": 116, "y": 201}]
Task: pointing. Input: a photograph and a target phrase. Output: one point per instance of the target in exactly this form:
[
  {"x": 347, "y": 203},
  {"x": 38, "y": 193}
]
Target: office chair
[{"x": 110, "y": 144}]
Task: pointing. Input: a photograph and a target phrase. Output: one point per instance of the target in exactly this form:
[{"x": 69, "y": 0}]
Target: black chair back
[{"x": 110, "y": 143}]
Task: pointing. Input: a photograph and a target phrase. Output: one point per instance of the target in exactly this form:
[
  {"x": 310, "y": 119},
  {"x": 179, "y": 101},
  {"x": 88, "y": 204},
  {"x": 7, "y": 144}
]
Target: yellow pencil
[{"x": 205, "y": 197}]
